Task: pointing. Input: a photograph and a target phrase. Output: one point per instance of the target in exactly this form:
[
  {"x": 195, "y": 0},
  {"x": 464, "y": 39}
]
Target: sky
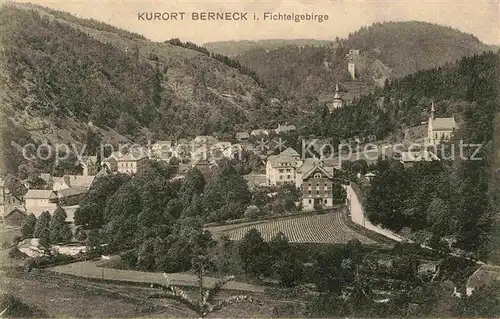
[{"x": 481, "y": 18}]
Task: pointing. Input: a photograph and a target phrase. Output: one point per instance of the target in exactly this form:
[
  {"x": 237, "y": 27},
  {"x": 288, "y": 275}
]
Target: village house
[
  {"x": 69, "y": 181},
  {"x": 316, "y": 185},
  {"x": 71, "y": 196},
  {"x": 204, "y": 140},
  {"x": 284, "y": 129},
  {"x": 222, "y": 148},
  {"x": 14, "y": 217},
  {"x": 280, "y": 169},
  {"x": 242, "y": 136},
  {"x": 161, "y": 146},
  {"x": 440, "y": 129},
  {"x": 259, "y": 132},
  {"x": 90, "y": 165},
  {"x": 111, "y": 162},
  {"x": 39, "y": 200},
  {"x": 12, "y": 209},
  {"x": 131, "y": 163},
  {"x": 7, "y": 200}
]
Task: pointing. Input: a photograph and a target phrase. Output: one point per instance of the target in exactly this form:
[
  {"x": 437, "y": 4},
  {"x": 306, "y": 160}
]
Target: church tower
[
  {"x": 433, "y": 112},
  {"x": 337, "y": 100}
]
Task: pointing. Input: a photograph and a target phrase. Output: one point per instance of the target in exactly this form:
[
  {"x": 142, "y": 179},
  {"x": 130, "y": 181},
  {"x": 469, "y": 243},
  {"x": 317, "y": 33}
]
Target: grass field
[
  {"x": 327, "y": 228},
  {"x": 70, "y": 297}
]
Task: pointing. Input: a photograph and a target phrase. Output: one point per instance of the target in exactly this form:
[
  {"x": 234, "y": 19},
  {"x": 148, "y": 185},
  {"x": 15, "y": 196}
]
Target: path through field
[
  {"x": 89, "y": 269},
  {"x": 327, "y": 228}
]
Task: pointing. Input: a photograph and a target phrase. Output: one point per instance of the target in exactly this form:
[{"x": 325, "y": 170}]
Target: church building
[
  {"x": 337, "y": 102},
  {"x": 440, "y": 128}
]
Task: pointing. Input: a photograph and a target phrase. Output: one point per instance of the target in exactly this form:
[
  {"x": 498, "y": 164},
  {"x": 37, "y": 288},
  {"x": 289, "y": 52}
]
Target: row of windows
[
  {"x": 288, "y": 170},
  {"x": 317, "y": 192},
  {"x": 317, "y": 184},
  {"x": 324, "y": 201}
]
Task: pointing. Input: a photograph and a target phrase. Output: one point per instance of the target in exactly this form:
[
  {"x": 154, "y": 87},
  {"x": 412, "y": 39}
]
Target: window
[
  {"x": 281, "y": 177},
  {"x": 310, "y": 201},
  {"x": 325, "y": 201},
  {"x": 309, "y": 192},
  {"x": 288, "y": 176},
  {"x": 317, "y": 192}
]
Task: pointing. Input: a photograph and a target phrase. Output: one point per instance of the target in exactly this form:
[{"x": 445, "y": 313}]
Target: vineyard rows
[{"x": 326, "y": 228}]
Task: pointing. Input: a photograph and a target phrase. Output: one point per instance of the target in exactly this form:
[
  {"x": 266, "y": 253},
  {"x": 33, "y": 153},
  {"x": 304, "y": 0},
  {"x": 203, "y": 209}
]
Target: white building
[
  {"x": 39, "y": 200},
  {"x": 440, "y": 129},
  {"x": 337, "y": 102},
  {"x": 280, "y": 169}
]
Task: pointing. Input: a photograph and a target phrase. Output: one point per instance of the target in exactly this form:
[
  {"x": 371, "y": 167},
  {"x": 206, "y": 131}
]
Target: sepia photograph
[{"x": 249, "y": 159}]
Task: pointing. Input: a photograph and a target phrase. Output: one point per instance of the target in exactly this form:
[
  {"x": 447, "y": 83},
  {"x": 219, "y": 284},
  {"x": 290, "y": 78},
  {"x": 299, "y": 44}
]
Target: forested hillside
[
  {"x": 410, "y": 46},
  {"x": 387, "y": 50},
  {"x": 231, "y": 48},
  {"x": 457, "y": 197},
  {"x": 455, "y": 88},
  {"x": 58, "y": 73}
]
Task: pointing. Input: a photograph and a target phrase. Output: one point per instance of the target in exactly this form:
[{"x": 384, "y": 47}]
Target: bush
[
  {"x": 15, "y": 253},
  {"x": 16, "y": 308},
  {"x": 129, "y": 258},
  {"x": 252, "y": 212}
]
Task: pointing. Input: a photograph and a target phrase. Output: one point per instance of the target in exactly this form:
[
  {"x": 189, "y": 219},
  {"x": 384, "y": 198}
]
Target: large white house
[
  {"x": 440, "y": 128},
  {"x": 280, "y": 169}
]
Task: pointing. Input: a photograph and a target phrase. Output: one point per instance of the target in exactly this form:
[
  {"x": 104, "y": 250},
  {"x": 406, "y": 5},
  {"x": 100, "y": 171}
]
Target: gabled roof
[
  {"x": 285, "y": 128},
  {"x": 242, "y": 135},
  {"x": 80, "y": 180},
  {"x": 259, "y": 132},
  {"x": 40, "y": 194},
  {"x": 308, "y": 164},
  {"x": 289, "y": 152},
  {"x": 47, "y": 177},
  {"x": 132, "y": 157},
  {"x": 72, "y": 191},
  {"x": 102, "y": 172},
  {"x": 8, "y": 195},
  {"x": 64, "y": 179},
  {"x": 444, "y": 124},
  {"x": 14, "y": 210},
  {"x": 317, "y": 168}
]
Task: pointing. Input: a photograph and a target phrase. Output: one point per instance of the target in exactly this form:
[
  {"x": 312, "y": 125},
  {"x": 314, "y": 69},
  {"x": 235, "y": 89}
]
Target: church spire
[
  {"x": 337, "y": 94},
  {"x": 433, "y": 111}
]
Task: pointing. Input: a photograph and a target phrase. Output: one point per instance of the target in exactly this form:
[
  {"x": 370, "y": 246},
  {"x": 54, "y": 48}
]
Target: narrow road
[
  {"x": 358, "y": 216},
  {"x": 89, "y": 269}
]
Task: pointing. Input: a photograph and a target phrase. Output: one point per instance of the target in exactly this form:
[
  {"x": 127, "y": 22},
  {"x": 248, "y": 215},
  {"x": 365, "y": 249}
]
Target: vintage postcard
[{"x": 249, "y": 158}]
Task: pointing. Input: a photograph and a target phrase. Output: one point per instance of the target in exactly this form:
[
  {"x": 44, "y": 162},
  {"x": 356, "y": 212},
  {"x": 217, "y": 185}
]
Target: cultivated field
[{"x": 327, "y": 228}]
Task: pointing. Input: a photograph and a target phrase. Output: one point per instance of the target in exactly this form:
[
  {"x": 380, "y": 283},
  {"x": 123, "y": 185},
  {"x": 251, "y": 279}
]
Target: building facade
[
  {"x": 281, "y": 169},
  {"x": 130, "y": 164},
  {"x": 337, "y": 101},
  {"x": 440, "y": 129},
  {"x": 317, "y": 188}
]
